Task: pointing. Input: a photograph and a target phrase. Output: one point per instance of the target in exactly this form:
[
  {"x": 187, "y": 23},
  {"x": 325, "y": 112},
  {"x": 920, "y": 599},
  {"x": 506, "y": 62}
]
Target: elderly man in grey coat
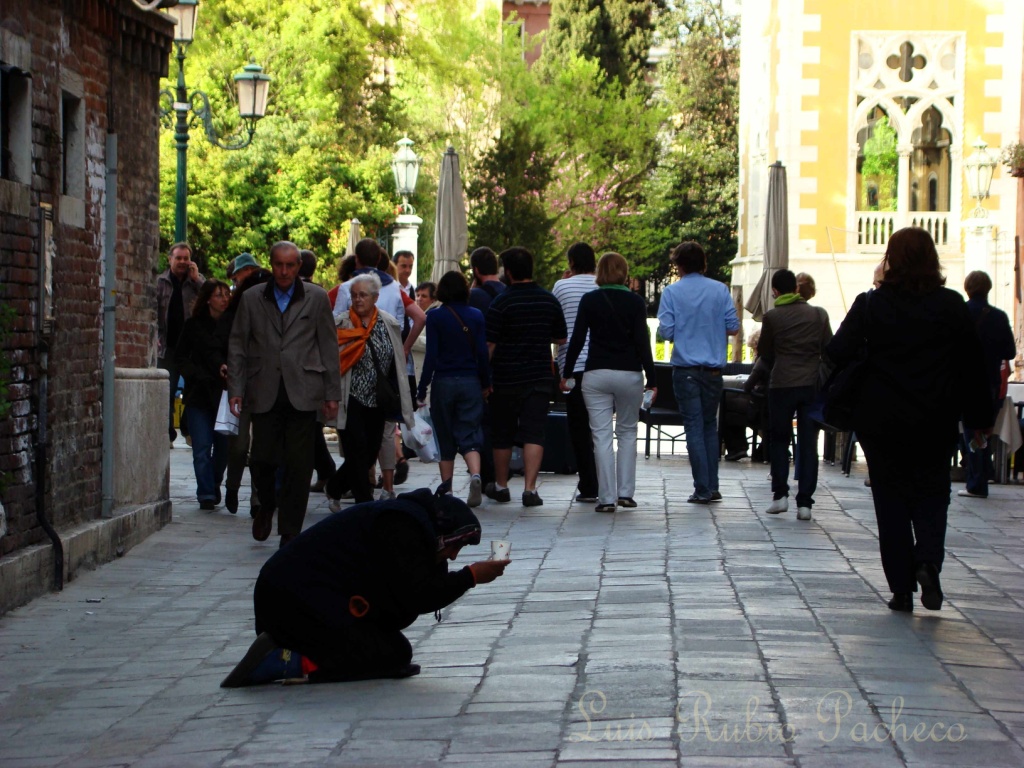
[{"x": 283, "y": 362}]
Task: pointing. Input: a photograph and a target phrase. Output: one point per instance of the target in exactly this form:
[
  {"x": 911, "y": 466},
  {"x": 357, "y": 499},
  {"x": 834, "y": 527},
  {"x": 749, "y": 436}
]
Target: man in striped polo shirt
[
  {"x": 569, "y": 290},
  {"x": 522, "y": 323}
]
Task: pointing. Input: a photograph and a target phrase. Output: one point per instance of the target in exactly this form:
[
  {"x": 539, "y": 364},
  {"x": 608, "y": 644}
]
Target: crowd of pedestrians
[{"x": 291, "y": 358}]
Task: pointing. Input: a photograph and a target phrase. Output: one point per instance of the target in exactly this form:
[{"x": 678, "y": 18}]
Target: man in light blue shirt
[{"x": 697, "y": 314}]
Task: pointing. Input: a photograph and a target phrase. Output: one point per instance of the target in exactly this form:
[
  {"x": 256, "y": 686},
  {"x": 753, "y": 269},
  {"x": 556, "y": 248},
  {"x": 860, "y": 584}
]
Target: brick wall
[{"x": 114, "y": 55}]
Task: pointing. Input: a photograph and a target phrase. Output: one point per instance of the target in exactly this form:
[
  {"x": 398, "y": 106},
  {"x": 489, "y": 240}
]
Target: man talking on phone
[{"x": 176, "y": 292}]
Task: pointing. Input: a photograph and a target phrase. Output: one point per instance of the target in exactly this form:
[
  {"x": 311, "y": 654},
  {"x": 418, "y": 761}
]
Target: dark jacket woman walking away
[{"x": 923, "y": 372}]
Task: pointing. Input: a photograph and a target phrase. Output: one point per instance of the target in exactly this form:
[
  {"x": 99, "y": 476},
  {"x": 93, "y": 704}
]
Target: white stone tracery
[{"x": 888, "y": 68}]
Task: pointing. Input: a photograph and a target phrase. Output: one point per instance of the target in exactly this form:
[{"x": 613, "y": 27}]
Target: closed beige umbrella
[
  {"x": 776, "y": 241},
  {"x": 451, "y": 233},
  {"x": 353, "y": 237}
]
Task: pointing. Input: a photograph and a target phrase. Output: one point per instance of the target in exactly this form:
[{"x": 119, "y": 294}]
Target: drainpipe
[
  {"x": 43, "y": 328},
  {"x": 109, "y": 307}
]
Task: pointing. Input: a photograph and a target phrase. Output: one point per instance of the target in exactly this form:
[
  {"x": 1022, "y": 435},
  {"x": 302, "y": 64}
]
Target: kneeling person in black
[{"x": 332, "y": 604}]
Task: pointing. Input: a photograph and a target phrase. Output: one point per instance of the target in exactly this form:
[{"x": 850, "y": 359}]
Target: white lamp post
[
  {"x": 978, "y": 169},
  {"x": 405, "y": 166}
]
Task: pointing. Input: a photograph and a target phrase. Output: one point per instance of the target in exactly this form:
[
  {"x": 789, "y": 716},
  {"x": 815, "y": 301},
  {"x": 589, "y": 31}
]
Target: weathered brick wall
[{"x": 119, "y": 53}]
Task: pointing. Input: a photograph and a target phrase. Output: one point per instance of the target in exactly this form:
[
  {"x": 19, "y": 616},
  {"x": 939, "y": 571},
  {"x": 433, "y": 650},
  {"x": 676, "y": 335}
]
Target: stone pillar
[
  {"x": 141, "y": 457},
  {"x": 404, "y": 236}
]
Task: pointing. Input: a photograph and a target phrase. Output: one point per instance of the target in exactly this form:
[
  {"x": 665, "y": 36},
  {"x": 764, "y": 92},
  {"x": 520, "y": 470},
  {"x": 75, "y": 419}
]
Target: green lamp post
[{"x": 186, "y": 109}]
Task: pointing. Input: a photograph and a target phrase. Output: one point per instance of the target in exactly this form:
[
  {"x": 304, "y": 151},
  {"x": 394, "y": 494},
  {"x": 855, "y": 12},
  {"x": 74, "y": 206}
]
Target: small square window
[{"x": 15, "y": 125}]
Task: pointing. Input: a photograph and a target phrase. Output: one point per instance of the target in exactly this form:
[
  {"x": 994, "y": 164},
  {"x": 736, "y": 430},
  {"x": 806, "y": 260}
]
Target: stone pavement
[{"x": 667, "y": 635}]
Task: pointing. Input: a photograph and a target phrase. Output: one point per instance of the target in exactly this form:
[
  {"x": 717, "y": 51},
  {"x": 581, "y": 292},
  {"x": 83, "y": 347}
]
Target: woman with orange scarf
[{"x": 370, "y": 343}]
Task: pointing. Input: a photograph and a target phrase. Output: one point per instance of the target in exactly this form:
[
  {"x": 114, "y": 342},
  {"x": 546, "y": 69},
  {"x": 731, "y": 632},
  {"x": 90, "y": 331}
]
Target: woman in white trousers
[{"x": 619, "y": 357}]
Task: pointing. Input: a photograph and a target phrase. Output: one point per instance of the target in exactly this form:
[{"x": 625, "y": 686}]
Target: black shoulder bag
[
  {"x": 839, "y": 387},
  {"x": 388, "y": 399}
]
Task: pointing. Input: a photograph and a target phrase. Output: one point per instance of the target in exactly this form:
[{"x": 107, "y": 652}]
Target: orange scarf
[{"x": 353, "y": 340}]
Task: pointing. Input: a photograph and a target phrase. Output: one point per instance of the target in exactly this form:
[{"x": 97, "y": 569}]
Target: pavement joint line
[{"x": 762, "y": 658}]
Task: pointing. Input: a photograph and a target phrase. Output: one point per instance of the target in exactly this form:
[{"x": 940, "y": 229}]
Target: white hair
[{"x": 371, "y": 281}]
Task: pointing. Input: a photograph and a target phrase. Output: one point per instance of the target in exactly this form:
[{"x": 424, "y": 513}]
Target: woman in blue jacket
[{"x": 457, "y": 364}]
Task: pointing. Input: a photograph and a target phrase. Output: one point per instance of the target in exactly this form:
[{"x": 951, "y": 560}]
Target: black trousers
[
  {"x": 582, "y": 439},
  {"x": 360, "y": 440},
  {"x": 323, "y": 462},
  {"x": 341, "y": 652},
  {"x": 910, "y": 485},
  {"x": 283, "y": 437}
]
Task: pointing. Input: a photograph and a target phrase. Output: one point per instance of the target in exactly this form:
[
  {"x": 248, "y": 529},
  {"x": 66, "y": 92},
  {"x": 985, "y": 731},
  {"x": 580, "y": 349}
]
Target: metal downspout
[
  {"x": 42, "y": 437},
  {"x": 109, "y": 317}
]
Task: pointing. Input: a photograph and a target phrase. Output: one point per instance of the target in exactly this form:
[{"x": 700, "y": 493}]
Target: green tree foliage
[
  {"x": 880, "y": 168},
  {"x": 449, "y": 80},
  {"x": 320, "y": 156},
  {"x": 580, "y": 28},
  {"x": 617, "y": 34},
  {"x": 508, "y": 193},
  {"x": 603, "y": 141},
  {"x": 588, "y": 100},
  {"x": 635, "y": 22},
  {"x": 579, "y": 147},
  {"x": 693, "y": 194}
]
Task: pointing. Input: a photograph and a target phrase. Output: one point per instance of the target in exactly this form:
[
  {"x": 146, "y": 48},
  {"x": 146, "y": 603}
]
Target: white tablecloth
[{"x": 1007, "y": 428}]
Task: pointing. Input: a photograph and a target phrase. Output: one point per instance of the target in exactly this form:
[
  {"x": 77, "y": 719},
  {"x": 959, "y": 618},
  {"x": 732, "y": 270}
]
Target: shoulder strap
[{"x": 465, "y": 329}]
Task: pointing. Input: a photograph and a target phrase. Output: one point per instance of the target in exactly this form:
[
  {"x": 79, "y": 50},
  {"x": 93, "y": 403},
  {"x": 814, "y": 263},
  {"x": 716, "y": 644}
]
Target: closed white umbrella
[
  {"x": 776, "y": 241},
  {"x": 353, "y": 237},
  {"x": 450, "y": 231}
]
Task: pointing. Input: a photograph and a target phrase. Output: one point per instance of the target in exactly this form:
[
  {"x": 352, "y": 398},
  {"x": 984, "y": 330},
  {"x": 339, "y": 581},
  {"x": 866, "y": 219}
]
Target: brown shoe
[{"x": 263, "y": 523}]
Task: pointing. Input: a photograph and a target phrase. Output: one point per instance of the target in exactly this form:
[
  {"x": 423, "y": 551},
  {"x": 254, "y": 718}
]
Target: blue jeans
[
  {"x": 783, "y": 402},
  {"x": 978, "y": 464},
  {"x": 209, "y": 452},
  {"x": 698, "y": 393},
  {"x": 457, "y": 406}
]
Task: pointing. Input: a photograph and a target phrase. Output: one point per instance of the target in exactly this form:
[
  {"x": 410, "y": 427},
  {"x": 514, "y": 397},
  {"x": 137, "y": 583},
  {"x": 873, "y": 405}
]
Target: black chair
[{"x": 664, "y": 412}]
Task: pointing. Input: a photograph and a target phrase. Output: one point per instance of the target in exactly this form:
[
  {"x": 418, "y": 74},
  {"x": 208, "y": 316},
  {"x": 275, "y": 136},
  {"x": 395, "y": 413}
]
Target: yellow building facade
[{"x": 873, "y": 107}]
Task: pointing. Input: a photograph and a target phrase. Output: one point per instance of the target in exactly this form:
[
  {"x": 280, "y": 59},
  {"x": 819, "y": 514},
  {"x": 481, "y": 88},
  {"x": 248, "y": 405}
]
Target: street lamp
[
  {"x": 406, "y": 167},
  {"x": 252, "y": 87},
  {"x": 978, "y": 169}
]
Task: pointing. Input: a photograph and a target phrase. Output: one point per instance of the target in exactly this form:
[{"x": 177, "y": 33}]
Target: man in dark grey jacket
[{"x": 793, "y": 336}]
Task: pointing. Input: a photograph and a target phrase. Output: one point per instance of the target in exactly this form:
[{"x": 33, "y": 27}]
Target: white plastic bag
[
  {"x": 421, "y": 438},
  {"x": 227, "y": 422}
]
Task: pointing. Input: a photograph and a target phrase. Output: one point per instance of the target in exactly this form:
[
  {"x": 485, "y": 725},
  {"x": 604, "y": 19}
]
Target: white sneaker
[
  {"x": 474, "y": 498},
  {"x": 778, "y": 506},
  {"x": 334, "y": 504},
  {"x": 803, "y": 513},
  {"x": 386, "y": 495}
]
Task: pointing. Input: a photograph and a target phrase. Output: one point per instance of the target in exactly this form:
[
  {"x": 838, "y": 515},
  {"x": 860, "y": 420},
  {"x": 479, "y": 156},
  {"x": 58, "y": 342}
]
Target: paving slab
[{"x": 668, "y": 635}]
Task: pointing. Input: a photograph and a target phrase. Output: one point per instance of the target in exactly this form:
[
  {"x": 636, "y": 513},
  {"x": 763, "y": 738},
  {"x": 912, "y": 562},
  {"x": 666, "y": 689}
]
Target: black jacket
[
  {"x": 925, "y": 369},
  {"x": 384, "y": 552},
  {"x": 202, "y": 350}
]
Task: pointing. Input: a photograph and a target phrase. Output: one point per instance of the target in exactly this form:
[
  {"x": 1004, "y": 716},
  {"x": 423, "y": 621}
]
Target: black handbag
[
  {"x": 839, "y": 388},
  {"x": 388, "y": 399}
]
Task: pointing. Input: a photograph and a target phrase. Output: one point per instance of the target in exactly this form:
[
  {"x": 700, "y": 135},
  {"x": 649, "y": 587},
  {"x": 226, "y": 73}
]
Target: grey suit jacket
[{"x": 299, "y": 346}]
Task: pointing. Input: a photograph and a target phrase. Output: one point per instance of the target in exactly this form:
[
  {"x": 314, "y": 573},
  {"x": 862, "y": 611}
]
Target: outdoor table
[{"x": 1006, "y": 437}]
